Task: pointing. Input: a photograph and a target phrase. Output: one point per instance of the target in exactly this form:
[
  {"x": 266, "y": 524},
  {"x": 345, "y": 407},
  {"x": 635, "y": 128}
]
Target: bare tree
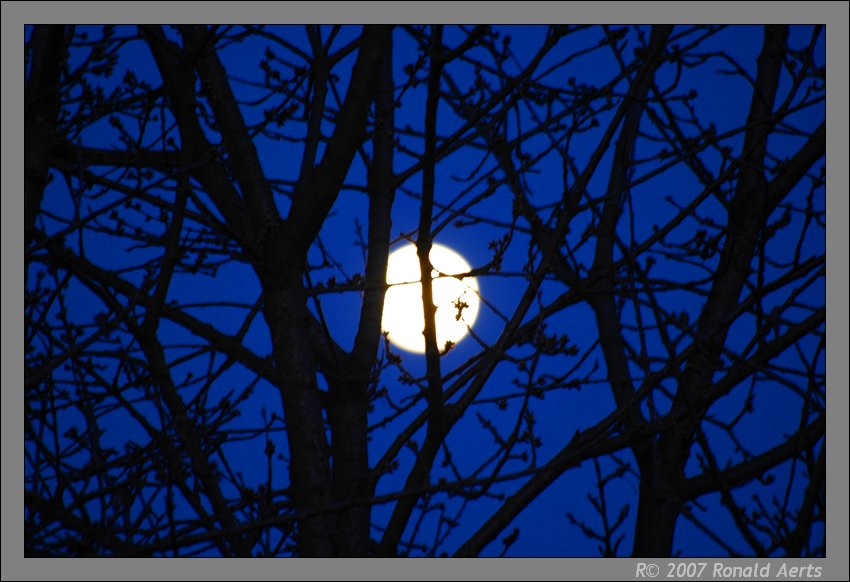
[{"x": 691, "y": 249}]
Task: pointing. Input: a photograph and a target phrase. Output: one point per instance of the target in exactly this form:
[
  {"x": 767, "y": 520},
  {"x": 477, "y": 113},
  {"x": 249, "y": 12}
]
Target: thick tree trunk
[
  {"x": 656, "y": 523},
  {"x": 41, "y": 108},
  {"x": 348, "y": 415},
  {"x": 328, "y": 479},
  {"x": 660, "y": 501},
  {"x": 309, "y": 451}
]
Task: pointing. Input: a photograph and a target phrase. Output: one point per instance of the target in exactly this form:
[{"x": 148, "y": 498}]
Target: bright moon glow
[{"x": 403, "y": 319}]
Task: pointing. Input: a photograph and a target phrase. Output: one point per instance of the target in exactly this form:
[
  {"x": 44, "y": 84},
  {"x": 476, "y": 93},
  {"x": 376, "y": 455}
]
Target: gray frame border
[{"x": 16, "y": 14}]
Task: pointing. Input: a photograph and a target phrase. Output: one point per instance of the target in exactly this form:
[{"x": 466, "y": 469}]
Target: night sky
[{"x": 714, "y": 89}]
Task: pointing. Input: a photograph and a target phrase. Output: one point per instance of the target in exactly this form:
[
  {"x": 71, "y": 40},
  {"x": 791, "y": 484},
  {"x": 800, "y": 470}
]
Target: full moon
[{"x": 456, "y": 298}]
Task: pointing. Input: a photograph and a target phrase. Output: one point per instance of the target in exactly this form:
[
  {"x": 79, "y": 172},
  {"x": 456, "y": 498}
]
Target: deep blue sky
[{"x": 545, "y": 530}]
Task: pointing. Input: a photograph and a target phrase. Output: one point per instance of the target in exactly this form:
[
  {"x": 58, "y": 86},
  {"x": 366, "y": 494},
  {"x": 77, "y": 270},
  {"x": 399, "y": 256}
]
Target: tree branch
[
  {"x": 242, "y": 154},
  {"x": 435, "y": 433},
  {"x": 756, "y": 467},
  {"x": 41, "y": 98},
  {"x": 314, "y": 198},
  {"x": 180, "y": 89},
  {"x": 228, "y": 345}
]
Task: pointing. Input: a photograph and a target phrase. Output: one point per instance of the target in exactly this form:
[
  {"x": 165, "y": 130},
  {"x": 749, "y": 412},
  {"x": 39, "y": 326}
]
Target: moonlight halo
[{"x": 403, "y": 319}]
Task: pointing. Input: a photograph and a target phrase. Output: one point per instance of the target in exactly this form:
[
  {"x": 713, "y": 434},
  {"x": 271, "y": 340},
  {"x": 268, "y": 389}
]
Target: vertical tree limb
[
  {"x": 421, "y": 470},
  {"x": 657, "y": 510},
  {"x": 41, "y": 98},
  {"x": 349, "y": 398}
]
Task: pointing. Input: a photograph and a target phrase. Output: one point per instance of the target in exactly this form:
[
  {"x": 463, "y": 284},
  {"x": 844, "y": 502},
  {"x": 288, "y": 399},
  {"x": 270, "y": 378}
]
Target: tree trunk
[{"x": 41, "y": 97}]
